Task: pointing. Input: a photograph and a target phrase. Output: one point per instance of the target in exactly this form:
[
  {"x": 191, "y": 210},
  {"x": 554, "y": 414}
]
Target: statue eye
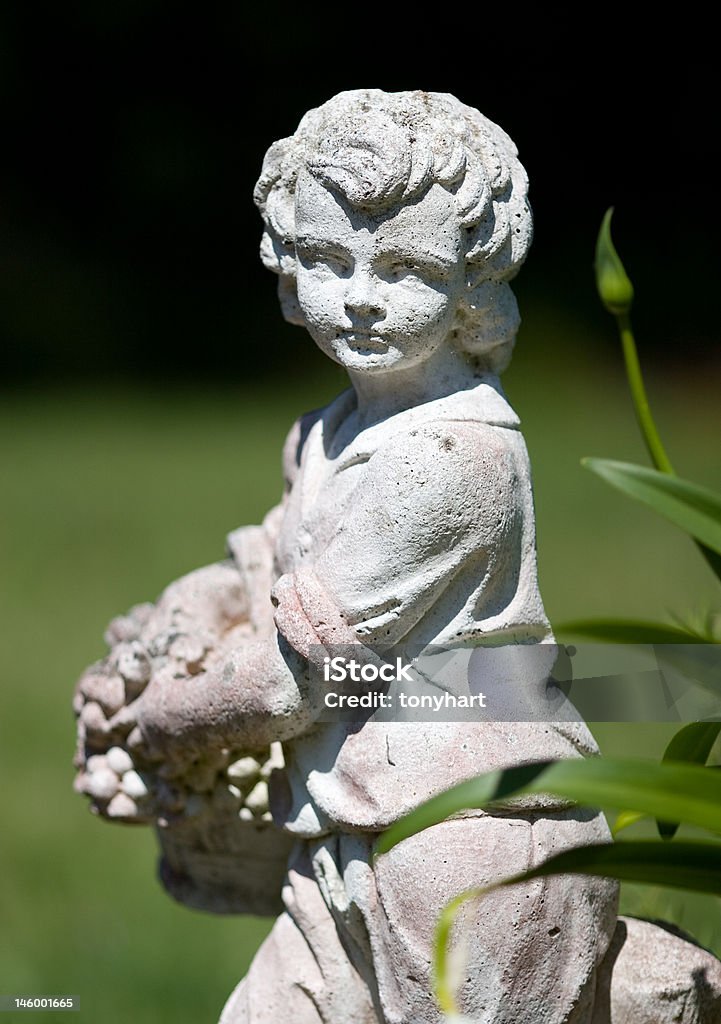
[
  {"x": 400, "y": 269},
  {"x": 397, "y": 269},
  {"x": 323, "y": 260}
]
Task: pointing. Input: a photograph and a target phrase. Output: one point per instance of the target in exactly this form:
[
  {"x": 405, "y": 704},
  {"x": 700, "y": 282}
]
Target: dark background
[
  {"x": 133, "y": 136},
  {"x": 147, "y": 381}
]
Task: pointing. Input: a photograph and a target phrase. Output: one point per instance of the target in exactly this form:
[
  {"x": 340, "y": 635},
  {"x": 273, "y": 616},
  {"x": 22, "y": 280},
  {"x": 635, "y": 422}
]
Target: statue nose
[{"x": 362, "y": 297}]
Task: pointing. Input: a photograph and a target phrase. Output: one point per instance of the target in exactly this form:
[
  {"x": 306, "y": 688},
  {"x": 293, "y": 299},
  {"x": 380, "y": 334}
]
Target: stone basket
[{"x": 224, "y": 865}]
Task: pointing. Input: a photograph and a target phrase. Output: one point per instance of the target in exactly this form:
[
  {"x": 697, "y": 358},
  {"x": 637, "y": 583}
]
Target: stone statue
[{"x": 394, "y": 223}]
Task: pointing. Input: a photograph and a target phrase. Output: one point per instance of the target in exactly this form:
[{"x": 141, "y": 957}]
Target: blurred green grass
[{"x": 107, "y": 496}]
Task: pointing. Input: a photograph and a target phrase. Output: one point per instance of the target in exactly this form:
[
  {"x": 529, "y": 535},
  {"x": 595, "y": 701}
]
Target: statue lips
[{"x": 364, "y": 341}]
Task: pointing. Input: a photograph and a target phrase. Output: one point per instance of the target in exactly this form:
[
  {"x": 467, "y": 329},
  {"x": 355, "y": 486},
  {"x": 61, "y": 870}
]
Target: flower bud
[{"x": 612, "y": 281}]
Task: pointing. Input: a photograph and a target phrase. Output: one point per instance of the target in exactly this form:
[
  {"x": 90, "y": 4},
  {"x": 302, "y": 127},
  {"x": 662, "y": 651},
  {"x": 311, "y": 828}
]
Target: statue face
[{"x": 378, "y": 292}]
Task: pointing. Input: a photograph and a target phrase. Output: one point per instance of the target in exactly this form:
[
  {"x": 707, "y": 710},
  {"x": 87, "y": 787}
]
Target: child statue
[{"x": 394, "y": 223}]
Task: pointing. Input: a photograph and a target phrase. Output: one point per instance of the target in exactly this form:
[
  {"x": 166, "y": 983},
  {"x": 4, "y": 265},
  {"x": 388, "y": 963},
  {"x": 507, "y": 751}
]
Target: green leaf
[
  {"x": 625, "y": 819},
  {"x": 691, "y": 745},
  {"x": 670, "y": 791},
  {"x": 475, "y": 792},
  {"x": 444, "y": 984},
  {"x": 612, "y": 281},
  {"x": 712, "y": 557},
  {"x": 692, "y": 864},
  {"x": 631, "y": 631},
  {"x": 697, "y": 510},
  {"x": 705, "y": 623}
]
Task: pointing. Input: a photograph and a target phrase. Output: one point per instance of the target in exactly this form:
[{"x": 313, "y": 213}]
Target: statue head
[{"x": 406, "y": 211}]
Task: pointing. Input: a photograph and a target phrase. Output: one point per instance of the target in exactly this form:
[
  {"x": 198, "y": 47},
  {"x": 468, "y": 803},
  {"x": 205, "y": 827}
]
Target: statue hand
[{"x": 307, "y": 616}]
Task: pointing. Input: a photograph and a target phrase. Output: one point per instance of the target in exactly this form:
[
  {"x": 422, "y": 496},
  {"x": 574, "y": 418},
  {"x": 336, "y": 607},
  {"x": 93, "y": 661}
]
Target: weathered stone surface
[
  {"x": 395, "y": 223},
  {"x": 651, "y": 975}
]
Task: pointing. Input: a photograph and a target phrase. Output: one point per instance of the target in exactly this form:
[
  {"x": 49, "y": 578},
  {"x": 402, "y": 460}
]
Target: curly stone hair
[{"x": 379, "y": 150}]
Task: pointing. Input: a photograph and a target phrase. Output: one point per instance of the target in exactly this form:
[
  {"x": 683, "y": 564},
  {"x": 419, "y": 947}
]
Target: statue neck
[{"x": 382, "y": 395}]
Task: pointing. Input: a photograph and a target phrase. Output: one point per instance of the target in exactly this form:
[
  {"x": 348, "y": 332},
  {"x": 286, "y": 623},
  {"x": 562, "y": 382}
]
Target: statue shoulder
[
  {"x": 448, "y": 457},
  {"x": 330, "y": 416},
  {"x": 295, "y": 442}
]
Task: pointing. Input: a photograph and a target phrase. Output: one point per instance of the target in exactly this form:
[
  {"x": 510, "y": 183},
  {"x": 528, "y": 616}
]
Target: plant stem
[
  {"x": 646, "y": 421},
  {"x": 640, "y": 399}
]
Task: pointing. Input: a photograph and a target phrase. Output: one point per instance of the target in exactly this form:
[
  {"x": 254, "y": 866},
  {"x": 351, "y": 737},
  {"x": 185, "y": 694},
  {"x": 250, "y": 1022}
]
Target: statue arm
[
  {"x": 438, "y": 507},
  {"x": 432, "y": 502}
]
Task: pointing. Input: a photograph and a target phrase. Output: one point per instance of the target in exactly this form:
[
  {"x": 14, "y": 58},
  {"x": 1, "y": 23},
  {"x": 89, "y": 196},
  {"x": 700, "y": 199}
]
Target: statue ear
[
  {"x": 489, "y": 322},
  {"x": 288, "y": 296},
  {"x": 492, "y": 305},
  {"x": 279, "y": 257}
]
